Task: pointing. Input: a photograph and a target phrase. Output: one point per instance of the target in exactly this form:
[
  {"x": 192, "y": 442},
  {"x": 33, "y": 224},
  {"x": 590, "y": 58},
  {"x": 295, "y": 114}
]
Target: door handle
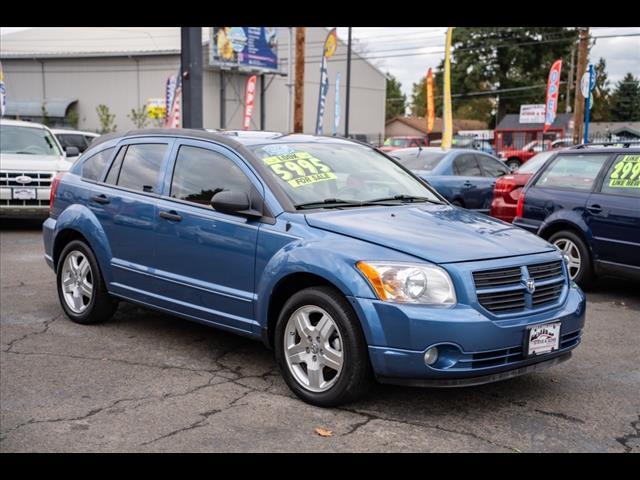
[
  {"x": 595, "y": 209},
  {"x": 172, "y": 215},
  {"x": 467, "y": 184},
  {"x": 100, "y": 199}
]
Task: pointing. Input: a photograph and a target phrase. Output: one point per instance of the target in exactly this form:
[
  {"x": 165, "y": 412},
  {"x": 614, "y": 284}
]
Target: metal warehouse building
[{"x": 76, "y": 69}]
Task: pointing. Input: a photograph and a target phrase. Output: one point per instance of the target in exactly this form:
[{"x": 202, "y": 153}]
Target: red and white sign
[
  {"x": 553, "y": 88},
  {"x": 173, "y": 117},
  {"x": 249, "y": 98}
]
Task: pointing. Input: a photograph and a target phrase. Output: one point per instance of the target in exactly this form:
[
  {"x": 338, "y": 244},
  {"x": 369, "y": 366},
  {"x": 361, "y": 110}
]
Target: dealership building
[{"x": 63, "y": 74}]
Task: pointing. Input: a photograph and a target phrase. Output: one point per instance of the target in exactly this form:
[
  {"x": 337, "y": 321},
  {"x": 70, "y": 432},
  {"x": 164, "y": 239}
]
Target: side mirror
[
  {"x": 72, "y": 151},
  {"x": 234, "y": 202}
]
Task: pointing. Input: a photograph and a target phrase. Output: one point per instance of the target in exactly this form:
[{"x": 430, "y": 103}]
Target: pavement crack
[
  {"x": 626, "y": 440},
  {"x": 46, "y": 324},
  {"x": 564, "y": 416}
]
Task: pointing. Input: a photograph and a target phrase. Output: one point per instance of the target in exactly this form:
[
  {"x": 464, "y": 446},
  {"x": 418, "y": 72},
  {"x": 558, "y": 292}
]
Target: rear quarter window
[
  {"x": 93, "y": 166},
  {"x": 623, "y": 176},
  {"x": 575, "y": 172}
]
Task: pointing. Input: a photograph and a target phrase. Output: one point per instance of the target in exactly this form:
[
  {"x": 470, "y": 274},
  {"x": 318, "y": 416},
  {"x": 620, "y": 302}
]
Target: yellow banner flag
[{"x": 447, "y": 127}]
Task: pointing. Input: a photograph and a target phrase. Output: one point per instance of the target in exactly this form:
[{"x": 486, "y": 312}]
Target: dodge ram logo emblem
[
  {"x": 530, "y": 285},
  {"x": 23, "y": 179}
]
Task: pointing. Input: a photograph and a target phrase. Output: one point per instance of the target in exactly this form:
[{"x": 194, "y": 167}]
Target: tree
[
  {"x": 485, "y": 59},
  {"x": 106, "y": 119},
  {"x": 419, "y": 98},
  {"x": 625, "y": 100},
  {"x": 601, "y": 108},
  {"x": 139, "y": 116},
  {"x": 396, "y": 100}
]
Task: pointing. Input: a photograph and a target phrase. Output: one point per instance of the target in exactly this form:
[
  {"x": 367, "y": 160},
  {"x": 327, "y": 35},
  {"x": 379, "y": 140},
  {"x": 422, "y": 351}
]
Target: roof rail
[{"x": 623, "y": 143}]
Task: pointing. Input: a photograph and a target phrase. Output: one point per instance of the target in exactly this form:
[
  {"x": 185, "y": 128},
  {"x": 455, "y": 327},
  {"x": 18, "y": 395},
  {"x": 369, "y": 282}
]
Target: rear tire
[
  {"x": 81, "y": 288},
  {"x": 580, "y": 266},
  {"x": 343, "y": 345}
]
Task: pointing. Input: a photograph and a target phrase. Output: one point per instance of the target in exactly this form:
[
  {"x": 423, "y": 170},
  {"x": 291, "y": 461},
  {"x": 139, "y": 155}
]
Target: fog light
[{"x": 431, "y": 356}]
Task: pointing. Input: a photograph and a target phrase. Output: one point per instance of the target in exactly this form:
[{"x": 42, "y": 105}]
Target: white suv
[{"x": 30, "y": 156}]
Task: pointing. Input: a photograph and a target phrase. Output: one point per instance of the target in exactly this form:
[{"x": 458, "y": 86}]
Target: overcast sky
[{"x": 395, "y": 49}]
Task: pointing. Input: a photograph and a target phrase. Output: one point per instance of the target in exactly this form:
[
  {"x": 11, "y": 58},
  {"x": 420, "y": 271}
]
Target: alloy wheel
[
  {"x": 77, "y": 282},
  {"x": 571, "y": 253},
  {"x": 313, "y": 348}
]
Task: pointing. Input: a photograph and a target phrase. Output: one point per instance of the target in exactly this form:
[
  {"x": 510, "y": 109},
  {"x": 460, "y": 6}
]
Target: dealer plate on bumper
[
  {"x": 543, "y": 338},
  {"x": 24, "y": 193}
]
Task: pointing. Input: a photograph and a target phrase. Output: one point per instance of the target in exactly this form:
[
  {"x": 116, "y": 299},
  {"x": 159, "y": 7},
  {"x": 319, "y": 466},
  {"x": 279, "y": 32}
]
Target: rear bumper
[{"x": 529, "y": 225}]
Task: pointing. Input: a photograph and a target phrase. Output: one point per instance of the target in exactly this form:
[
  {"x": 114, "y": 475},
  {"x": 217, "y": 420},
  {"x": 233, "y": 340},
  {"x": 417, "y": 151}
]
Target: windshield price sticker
[
  {"x": 626, "y": 173},
  {"x": 299, "y": 168}
]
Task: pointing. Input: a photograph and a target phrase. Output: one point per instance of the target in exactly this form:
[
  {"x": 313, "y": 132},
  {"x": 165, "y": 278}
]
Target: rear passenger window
[
  {"x": 141, "y": 166},
  {"x": 200, "y": 173},
  {"x": 92, "y": 167},
  {"x": 576, "y": 172},
  {"x": 467, "y": 166},
  {"x": 491, "y": 167},
  {"x": 623, "y": 177}
]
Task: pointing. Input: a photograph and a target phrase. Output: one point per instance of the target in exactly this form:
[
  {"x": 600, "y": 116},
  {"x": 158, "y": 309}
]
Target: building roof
[
  {"x": 420, "y": 123},
  {"x": 604, "y": 128},
  {"x": 511, "y": 121}
]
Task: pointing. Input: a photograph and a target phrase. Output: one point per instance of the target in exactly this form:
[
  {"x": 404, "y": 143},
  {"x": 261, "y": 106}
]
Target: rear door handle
[
  {"x": 595, "y": 209},
  {"x": 172, "y": 215},
  {"x": 467, "y": 184},
  {"x": 100, "y": 199}
]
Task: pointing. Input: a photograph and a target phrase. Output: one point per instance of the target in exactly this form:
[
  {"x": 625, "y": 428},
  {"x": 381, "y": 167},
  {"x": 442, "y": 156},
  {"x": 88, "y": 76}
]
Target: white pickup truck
[{"x": 30, "y": 156}]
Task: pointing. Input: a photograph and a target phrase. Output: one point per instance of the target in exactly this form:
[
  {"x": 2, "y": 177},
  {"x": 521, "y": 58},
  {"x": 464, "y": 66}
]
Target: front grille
[
  {"x": 25, "y": 203},
  {"x": 496, "y": 278},
  {"x": 502, "y": 290},
  {"x": 8, "y": 179},
  {"x": 545, "y": 270},
  {"x": 502, "y": 301}
]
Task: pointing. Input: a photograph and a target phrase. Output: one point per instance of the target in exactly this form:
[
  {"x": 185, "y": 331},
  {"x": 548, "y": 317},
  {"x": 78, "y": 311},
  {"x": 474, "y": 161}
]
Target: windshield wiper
[
  {"x": 329, "y": 203},
  {"x": 404, "y": 198}
]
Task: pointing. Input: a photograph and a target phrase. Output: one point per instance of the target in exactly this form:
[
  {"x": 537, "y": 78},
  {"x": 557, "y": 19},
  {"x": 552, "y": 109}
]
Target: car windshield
[
  {"x": 419, "y": 159},
  {"x": 340, "y": 174},
  {"x": 534, "y": 163},
  {"x": 28, "y": 141},
  {"x": 396, "y": 142}
]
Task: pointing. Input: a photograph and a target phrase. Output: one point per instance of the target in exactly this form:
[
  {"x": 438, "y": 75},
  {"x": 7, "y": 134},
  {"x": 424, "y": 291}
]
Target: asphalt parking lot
[{"x": 146, "y": 381}]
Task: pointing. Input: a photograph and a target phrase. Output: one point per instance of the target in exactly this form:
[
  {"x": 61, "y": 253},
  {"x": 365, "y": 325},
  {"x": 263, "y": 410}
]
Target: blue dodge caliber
[{"x": 345, "y": 263}]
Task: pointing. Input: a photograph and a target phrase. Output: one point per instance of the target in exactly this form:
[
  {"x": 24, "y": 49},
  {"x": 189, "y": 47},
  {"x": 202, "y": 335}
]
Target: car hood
[
  {"x": 436, "y": 233},
  {"x": 34, "y": 163}
]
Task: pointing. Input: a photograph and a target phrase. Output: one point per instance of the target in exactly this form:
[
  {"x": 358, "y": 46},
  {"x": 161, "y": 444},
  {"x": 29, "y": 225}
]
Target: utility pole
[
  {"x": 262, "y": 102},
  {"x": 578, "y": 108},
  {"x": 191, "y": 68},
  {"x": 298, "y": 114},
  {"x": 567, "y": 108},
  {"x": 289, "y": 79}
]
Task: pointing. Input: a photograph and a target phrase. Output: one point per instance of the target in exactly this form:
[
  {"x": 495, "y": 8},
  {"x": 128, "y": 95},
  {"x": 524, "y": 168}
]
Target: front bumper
[
  {"x": 473, "y": 347},
  {"x": 27, "y": 211}
]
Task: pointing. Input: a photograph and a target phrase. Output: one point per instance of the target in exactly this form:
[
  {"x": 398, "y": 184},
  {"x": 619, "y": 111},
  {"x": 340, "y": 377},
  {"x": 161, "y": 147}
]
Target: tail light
[
  {"x": 505, "y": 185},
  {"x": 54, "y": 189},
  {"x": 520, "y": 207}
]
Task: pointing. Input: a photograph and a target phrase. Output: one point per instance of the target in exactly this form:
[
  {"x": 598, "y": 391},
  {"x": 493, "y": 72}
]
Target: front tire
[
  {"x": 579, "y": 256},
  {"x": 81, "y": 288},
  {"x": 320, "y": 348}
]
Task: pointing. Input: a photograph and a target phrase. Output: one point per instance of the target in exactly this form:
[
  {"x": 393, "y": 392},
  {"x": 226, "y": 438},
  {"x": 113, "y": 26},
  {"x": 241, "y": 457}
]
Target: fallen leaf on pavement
[
  {"x": 323, "y": 432},
  {"x": 555, "y": 380}
]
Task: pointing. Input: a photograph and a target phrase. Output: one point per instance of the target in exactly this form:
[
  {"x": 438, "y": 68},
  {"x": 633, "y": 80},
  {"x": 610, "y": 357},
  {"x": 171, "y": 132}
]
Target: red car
[
  {"x": 394, "y": 143},
  {"x": 508, "y": 187},
  {"x": 514, "y": 158}
]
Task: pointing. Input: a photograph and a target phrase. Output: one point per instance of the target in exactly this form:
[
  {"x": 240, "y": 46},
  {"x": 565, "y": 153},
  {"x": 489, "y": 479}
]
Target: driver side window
[{"x": 200, "y": 173}]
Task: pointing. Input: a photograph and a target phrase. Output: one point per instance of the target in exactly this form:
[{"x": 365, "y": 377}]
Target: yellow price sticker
[
  {"x": 626, "y": 173},
  {"x": 299, "y": 168}
]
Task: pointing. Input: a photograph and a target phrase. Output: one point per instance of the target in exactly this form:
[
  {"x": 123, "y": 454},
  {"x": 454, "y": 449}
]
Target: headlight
[{"x": 409, "y": 282}]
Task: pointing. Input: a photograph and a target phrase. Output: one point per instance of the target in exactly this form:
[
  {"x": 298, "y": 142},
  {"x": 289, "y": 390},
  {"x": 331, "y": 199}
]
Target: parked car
[
  {"x": 464, "y": 177},
  {"x": 562, "y": 143},
  {"x": 484, "y": 145},
  {"x": 346, "y": 264},
  {"x": 30, "y": 156},
  {"x": 395, "y": 143},
  {"x": 70, "y": 139},
  {"x": 515, "y": 157},
  {"x": 508, "y": 187},
  {"x": 586, "y": 202}
]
